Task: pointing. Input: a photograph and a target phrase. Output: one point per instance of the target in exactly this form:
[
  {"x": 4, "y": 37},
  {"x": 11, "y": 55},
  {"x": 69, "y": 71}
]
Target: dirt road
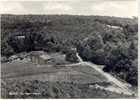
[{"x": 118, "y": 86}]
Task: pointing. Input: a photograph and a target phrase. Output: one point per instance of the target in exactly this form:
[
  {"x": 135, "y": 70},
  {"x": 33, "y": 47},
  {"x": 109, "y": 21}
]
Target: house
[{"x": 39, "y": 57}]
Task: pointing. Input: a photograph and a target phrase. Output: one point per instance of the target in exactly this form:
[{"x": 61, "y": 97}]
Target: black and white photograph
[{"x": 69, "y": 49}]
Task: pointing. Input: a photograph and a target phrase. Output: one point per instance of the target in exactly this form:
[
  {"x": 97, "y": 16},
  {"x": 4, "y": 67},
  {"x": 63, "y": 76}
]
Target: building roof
[
  {"x": 20, "y": 37},
  {"x": 37, "y": 53},
  {"x": 45, "y": 57},
  {"x": 40, "y": 54}
]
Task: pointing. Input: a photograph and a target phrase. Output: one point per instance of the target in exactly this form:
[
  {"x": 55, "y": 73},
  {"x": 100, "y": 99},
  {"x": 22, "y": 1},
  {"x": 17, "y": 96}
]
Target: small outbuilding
[{"x": 39, "y": 57}]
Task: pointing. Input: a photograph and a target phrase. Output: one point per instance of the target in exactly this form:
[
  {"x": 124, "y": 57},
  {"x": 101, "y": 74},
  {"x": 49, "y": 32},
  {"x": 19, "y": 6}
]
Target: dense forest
[{"x": 109, "y": 41}]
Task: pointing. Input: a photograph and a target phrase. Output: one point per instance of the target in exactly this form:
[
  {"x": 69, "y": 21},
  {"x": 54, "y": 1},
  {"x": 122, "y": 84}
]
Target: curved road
[{"x": 118, "y": 86}]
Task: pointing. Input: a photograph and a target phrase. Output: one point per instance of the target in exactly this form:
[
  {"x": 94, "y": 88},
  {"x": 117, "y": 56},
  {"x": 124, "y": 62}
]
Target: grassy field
[
  {"x": 54, "y": 81},
  {"x": 29, "y": 71}
]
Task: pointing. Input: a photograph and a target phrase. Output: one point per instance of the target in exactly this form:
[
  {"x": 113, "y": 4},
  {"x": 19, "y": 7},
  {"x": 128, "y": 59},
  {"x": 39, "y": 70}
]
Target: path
[{"x": 121, "y": 86}]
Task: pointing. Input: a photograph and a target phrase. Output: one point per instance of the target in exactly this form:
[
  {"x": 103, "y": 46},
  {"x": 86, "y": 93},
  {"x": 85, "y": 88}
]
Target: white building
[{"x": 39, "y": 57}]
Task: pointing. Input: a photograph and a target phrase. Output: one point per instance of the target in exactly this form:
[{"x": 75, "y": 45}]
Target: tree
[
  {"x": 92, "y": 48},
  {"x": 71, "y": 55}
]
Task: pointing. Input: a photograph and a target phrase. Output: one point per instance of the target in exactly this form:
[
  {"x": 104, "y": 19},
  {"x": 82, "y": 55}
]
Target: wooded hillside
[{"x": 110, "y": 41}]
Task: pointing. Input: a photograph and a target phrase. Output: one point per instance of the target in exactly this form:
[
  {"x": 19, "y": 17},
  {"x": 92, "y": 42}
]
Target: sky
[{"x": 120, "y": 8}]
